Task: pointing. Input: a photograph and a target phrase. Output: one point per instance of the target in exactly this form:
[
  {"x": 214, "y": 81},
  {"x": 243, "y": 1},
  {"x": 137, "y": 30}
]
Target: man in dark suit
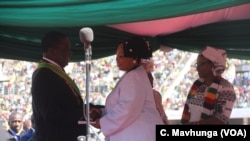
[{"x": 56, "y": 100}]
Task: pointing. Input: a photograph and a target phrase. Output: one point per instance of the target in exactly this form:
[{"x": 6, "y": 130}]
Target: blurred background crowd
[{"x": 174, "y": 73}]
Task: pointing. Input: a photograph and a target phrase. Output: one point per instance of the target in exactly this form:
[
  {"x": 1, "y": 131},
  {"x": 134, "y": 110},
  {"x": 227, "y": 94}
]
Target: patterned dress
[{"x": 224, "y": 102}]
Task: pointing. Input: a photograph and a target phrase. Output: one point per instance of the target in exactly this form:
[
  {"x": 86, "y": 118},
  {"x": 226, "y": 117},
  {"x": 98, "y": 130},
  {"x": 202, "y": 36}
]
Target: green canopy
[{"x": 23, "y": 23}]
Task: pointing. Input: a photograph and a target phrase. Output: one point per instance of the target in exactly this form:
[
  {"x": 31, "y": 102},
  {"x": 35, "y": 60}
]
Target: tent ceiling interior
[{"x": 180, "y": 24}]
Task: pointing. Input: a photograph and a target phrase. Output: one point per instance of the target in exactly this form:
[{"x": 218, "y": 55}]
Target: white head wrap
[{"x": 217, "y": 57}]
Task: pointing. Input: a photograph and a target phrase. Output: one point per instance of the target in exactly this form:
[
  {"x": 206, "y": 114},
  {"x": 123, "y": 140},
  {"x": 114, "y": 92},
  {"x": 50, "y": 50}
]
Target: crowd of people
[
  {"x": 15, "y": 86},
  {"x": 16, "y": 80}
]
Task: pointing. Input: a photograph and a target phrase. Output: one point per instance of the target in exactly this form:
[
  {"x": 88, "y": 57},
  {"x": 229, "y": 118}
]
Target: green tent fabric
[
  {"x": 232, "y": 36},
  {"x": 70, "y": 13},
  {"x": 25, "y": 43},
  {"x": 20, "y": 43},
  {"x": 23, "y": 23}
]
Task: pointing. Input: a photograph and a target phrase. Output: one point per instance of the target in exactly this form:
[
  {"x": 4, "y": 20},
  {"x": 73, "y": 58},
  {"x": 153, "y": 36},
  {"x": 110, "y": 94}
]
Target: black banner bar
[{"x": 203, "y": 132}]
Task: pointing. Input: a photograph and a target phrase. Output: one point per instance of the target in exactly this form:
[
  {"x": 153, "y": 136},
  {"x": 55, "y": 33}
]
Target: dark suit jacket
[
  {"x": 13, "y": 136},
  {"x": 55, "y": 108}
]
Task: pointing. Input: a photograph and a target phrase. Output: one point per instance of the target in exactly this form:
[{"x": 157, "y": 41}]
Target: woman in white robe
[{"x": 130, "y": 113}]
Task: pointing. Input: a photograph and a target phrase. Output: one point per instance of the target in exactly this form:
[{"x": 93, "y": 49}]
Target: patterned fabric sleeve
[{"x": 225, "y": 101}]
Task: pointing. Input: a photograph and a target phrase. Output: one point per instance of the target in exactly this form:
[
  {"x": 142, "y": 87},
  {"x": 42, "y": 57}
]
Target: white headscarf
[{"x": 217, "y": 56}]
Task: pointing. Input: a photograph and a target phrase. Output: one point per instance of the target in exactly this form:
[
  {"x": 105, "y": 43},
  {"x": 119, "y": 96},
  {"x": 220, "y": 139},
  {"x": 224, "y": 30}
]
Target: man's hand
[{"x": 95, "y": 113}]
